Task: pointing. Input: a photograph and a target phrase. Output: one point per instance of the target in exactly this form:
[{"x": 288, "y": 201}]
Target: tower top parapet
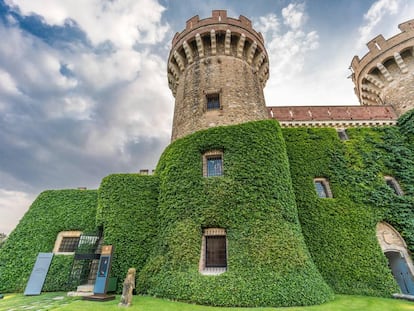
[
  {"x": 384, "y": 76},
  {"x": 217, "y": 35},
  {"x": 219, "y": 17}
]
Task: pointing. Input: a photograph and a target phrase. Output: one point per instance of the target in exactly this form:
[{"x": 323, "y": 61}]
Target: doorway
[{"x": 399, "y": 260}]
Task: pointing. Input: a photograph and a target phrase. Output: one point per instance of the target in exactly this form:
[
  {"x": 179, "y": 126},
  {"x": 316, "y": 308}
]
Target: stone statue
[{"x": 129, "y": 285}]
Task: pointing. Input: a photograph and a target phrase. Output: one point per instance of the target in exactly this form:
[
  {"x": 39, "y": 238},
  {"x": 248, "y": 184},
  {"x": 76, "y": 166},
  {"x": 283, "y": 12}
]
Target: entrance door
[{"x": 401, "y": 272}]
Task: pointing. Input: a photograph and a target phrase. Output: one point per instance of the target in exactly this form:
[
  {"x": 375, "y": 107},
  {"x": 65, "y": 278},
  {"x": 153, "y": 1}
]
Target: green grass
[{"x": 46, "y": 301}]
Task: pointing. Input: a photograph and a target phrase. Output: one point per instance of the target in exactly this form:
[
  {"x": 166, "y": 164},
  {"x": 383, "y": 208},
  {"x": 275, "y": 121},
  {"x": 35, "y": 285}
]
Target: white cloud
[
  {"x": 294, "y": 15},
  {"x": 287, "y": 48},
  {"x": 378, "y": 11},
  {"x": 13, "y": 205},
  {"x": 122, "y": 22}
]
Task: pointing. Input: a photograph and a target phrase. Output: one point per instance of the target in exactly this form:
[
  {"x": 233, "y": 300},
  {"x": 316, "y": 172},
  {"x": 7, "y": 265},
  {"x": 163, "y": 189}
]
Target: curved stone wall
[{"x": 219, "y": 55}]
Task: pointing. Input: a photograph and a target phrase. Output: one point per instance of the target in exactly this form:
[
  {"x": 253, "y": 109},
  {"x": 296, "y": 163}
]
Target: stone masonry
[
  {"x": 385, "y": 75},
  {"x": 217, "y": 56}
]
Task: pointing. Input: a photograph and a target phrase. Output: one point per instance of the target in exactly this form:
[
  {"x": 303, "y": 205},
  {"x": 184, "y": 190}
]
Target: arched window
[
  {"x": 393, "y": 184},
  {"x": 322, "y": 187},
  {"x": 213, "y": 258}
]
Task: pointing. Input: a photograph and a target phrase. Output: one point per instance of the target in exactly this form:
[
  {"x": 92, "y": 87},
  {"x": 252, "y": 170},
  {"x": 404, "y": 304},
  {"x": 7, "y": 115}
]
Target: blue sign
[
  {"x": 102, "y": 275},
  {"x": 38, "y": 276}
]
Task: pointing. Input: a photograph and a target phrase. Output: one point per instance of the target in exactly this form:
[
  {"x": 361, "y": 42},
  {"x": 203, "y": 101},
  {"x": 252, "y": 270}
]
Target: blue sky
[{"x": 83, "y": 86}]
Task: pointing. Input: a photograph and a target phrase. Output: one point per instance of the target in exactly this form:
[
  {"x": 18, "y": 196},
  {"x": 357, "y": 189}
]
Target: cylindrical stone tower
[
  {"x": 217, "y": 69},
  {"x": 385, "y": 75}
]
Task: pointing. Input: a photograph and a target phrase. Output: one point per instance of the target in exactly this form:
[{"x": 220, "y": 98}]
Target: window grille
[
  {"x": 214, "y": 165},
  {"x": 213, "y": 101},
  {"x": 216, "y": 251},
  {"x": 68, "y": 244}
]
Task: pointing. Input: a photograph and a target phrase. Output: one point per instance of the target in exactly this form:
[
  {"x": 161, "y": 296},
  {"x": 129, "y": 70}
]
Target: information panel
[
  {"x": 38, "y": 276},
  {"x": 104, "y": 268}
]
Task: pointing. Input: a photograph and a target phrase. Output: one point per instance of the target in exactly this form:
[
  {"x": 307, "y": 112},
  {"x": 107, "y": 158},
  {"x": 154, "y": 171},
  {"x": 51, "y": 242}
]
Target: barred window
[
  {"x": 213, "y": 163},
  {"x": 322, "y": 188},
  {"x": 216, "y": 251},
  {"x": 213, "y": 260},
  {"x": 68, "y": 244},
  {"x": 213, "y": 101}
]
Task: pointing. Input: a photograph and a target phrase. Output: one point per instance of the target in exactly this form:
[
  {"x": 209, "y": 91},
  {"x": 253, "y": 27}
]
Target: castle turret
[
  {"x": 217, "y": 69},
  {"x": 385, "y": 75}
]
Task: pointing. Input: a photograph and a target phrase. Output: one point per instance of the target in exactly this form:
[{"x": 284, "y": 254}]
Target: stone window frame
[
  {"x": 59, "y": 239},
  {"x": 325, "y": 183},
  {"x": 209, "y": 154},
  {"x": 211, "y": 93},
  {"x": 394, "y": 185},
  {"x": 207, "y": 232}
]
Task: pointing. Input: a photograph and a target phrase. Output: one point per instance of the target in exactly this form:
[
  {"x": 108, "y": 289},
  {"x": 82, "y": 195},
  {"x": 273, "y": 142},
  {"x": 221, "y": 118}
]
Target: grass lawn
[{"x": 59, "y": 301}]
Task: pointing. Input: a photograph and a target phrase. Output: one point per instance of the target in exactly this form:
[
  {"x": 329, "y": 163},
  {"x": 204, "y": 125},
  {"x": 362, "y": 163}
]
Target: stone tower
[
  {"x": 385, "y": 75},
  {"x": 217, "y": 69}
]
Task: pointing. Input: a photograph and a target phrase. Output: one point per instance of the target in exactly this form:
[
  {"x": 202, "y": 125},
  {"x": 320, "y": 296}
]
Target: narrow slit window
[
  {"x": 322, "y": 188},
  {"x": 213, "y": 101}
]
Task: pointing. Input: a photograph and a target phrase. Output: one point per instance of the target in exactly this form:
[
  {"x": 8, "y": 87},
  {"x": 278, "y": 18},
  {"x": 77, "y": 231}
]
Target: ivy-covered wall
[
  {"x": 268, "y": 262},
  {"x": 341, "y": 231},
  {"x": 286, "y": 246},
  {"x": 128, "y": 211},
  {"x": 50, "y": 213}
]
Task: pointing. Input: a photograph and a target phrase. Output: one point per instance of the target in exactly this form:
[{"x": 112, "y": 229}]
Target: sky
[{"x": 83, "y": 83}]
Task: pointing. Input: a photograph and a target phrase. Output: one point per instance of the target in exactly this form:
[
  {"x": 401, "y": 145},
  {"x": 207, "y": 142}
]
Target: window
[
  {"x": 213, "y": 163},
  {"x": 213, "y": 101},
  {"x": 393, "y": 184},
  {"x": 67, "y": 242},
  {"x": 213, "y": 259},
  {"x": 322, "y": 188},
  {"x": 216, "y": 251},
  {"x": 342, "y": 134}
]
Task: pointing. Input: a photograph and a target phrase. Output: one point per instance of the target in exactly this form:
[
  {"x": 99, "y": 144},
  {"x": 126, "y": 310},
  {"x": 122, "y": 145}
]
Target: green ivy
[
  {"x": 50, "y": 213},
  {"x": 341, "y": 232},
  {"x": 268, "y": 262},
  {"x": 128, "y": 212}
]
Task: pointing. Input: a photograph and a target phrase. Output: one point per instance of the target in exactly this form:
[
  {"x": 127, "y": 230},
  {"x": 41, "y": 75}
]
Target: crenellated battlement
[
  {"x": 217, "y": 36},
  {"x": 385, "y": 74}
]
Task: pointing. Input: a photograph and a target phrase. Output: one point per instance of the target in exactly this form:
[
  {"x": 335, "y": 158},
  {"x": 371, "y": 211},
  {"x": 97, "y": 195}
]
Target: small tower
[
  {"x": 217, "y": 69},
  {"x": 385, "y": 75}
]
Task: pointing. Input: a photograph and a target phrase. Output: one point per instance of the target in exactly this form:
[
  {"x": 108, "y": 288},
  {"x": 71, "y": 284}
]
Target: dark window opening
[
  {"x": 68, "y": 244},
  {"x": 213, "y": 101},
  {"x": 216, "y": 253},
  {"x": 342, "y": 135},
  {"x": 214, "y": 165},
  {"x": 393, "y": 184}
]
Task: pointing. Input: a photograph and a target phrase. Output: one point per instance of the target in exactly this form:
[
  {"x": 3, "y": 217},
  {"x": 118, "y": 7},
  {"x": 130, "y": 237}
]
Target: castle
[{"x": 249, "y": 205}]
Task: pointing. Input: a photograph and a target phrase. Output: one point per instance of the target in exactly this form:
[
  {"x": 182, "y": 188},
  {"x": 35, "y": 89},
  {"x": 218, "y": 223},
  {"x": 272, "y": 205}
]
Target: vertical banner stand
[
  {"x": 102, "y": 276},
  {"x": 38, "y": 275}
]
